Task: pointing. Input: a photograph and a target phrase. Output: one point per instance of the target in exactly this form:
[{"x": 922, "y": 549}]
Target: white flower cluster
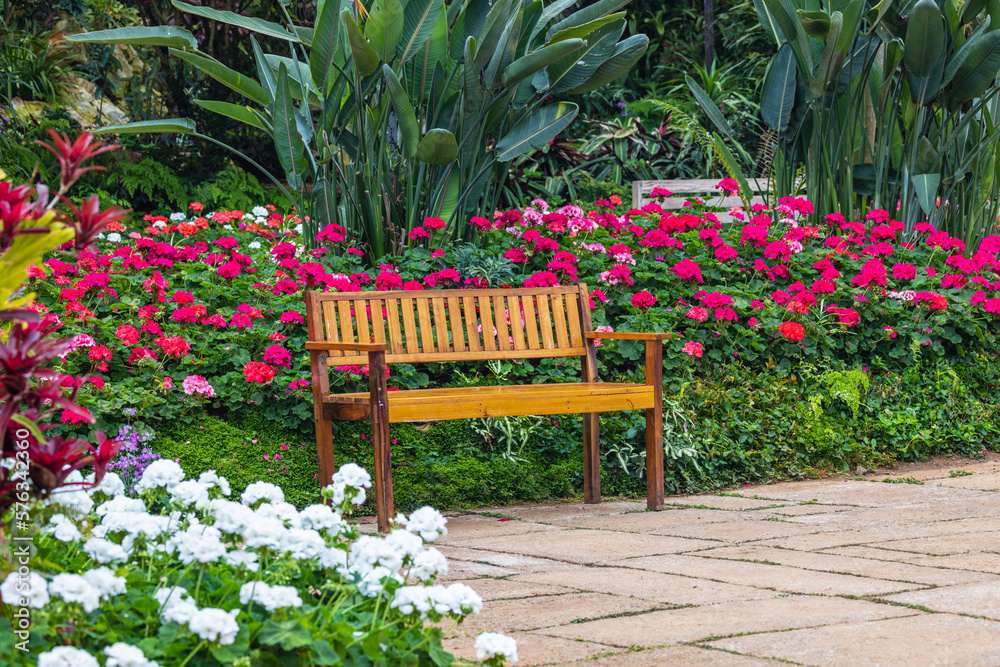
[
  {"x": 213, "y": 625},
  {"x": 87, "y": 589},
  {"x": 492, "y": 644},
  {"x": 160, "y": 473},
  {"x": 905, "y": 295},
  {"x": 270, "y": 597},
  {"x": 455, "y": 599},
  {"x": 349, "y": 483}
]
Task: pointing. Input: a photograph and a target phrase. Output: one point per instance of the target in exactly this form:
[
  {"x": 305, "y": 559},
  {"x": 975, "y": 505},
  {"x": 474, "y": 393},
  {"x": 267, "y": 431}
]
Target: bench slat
[
  {"x": 559, "y": 320},
  {"x": 457, "y": 329},
  {"x": 530, "y": 321},
  {"x": 409, "y": 326},
  {"x": 545, "y": 321},
  {"x": 573, "y": 317},
  {"x": 378, "y": 321},
  {"x": 424, "y": 405},
  {"x": 500, "y": 311},
  {"x": 424, "y": 322},
  {"x": 346, "y": 322},
  {"x": 471, "y": 323},
  {"x": 486, "y": 318},
  {"x": 394, "y": 332},
  {"x": 441, "y": 326},
  {"x": 361, "y": 317},
  {"x": 330, "y": 322},
  {"x": 516, "y": 323}
]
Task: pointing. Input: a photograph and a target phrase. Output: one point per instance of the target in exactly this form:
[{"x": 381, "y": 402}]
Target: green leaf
[
  {"x": 409, "y": 129},
  {"x": 419, "y": 18},
  {"x": 832, "y": 59},
  {"x": 146, "y": 36},
  {"x": 576, "y": 68},
  {"x": 979, "y": 69},
  {"x": 287, "y": 140},
  {"x": 536, "y": 131},
  {"x": 468, "y": 24},
  {"x": 232, "y": 18},
  {"x": 365, "y": 58},
  {"x": 384, "y": 28},
  {"x": 324, "y": 46},
  {"x": 926, "y": 186},
  {"x": 816, "y": 24},
  {"x": 589, "y": 14},
  {"x": 419, "y": 71},
  {"x": 527, "y": 65},
  {"x": 924, "y": 44},
  {"x": 732, "y": 166},
  {"x": 625, "y": 55},
  {"x": 289, "y": 634},
  {"x": 242, "y": 84},
  {"x": 234, "y": 111},
  {"x": 167, "y": 125},
  {"x": 437, "y": 147},
  {"x": 790, "y": 27},
  {"x": 504, "y": 53},
  {"x": 710, "y": 108},
  {"x": 587, "y": 30},
  {"x": 264, "y": 71},
  {"x": 550, "y": 12},
  {"x": 767, "y": 22},
  {"x": 778, "y": 93}
]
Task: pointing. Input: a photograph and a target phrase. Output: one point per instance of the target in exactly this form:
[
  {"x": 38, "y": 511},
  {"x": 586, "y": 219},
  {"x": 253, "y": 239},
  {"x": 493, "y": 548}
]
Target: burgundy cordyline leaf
[
  {"x": 71, "y": 156},
  {"x": 15, "y": 208},
  {"x": 89, "y": 220}
]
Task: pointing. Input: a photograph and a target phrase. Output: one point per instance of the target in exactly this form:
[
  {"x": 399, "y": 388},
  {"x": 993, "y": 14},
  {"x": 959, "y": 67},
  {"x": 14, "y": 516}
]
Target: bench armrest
[
  {"x": 627, "y": 335},
  {"x": 314, "y": 345}
]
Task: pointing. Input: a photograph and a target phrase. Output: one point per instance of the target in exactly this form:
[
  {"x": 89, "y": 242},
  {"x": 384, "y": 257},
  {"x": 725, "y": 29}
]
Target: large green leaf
[
  {"x": 242, "y": 84},
  {"x": 246, "y": 22},
  {"x": 926, "y": 186},
  {"x": 167, "y": 125},
  {"x": 958, "y": 56},
  {"x": 419, "y": 18},
  {"x": 979, "y": 69},
  {"x": 536, "y": 131},
  {"x": 154, "y": 36},
  {"x": 468, "y": 24},
  {"x": 832, "y": 59},
  {"x": 324, "y": 46},
  {"x": 551, "y": 11},
  {"x": 710, "y": 108},
  {"x": 586, "y": 15},
  {"x": 767, "y": 22},
  {"x": 626, "y": 54},
  {"x": 924, "y": 44},
  {"x": 384, "y": 28},
  {"x": 236, "y": 112},
  {"x": 437, "y": 147},
  {"x": 287, "y": 140},
  {"x": 264, "y": 71},
  {"x": 493, "y": 28},
  {"x": 365, "y": 58},
  {"x": 574, "y": 69},
  {"x": 420, "y": 69},
  {"x": 299, "y": 77},
  {"x": 778, "y": 93},
  {"x": 587, "y": 29},
  {"x": 790, "y": 27},
  {"x": 504, "y": 53},
  {"x": 816, "y": 24},
  {"x": 527, "y": 65},
  {"x": 409, "y": 129}
]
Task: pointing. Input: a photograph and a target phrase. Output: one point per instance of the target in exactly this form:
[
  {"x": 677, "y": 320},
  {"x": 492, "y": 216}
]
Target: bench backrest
[
  {"x": 703, "y": 189},
  {"x": 454, "y": 325}
]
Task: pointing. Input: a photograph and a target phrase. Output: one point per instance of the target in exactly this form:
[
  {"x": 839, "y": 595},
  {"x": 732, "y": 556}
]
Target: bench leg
[
  {"x": 591, "y": 458},
  {"x": 654, "y": 426},
  {"x": 324, "y": 450},
  {"x": 380, "y": 440}
]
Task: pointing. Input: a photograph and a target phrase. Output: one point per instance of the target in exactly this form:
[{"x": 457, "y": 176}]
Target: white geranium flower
[
  {"x": 123, "y": 655},
  {"x": 74, "y": 588},
  {"x": 334, "y": 559},
  {"x": 31, "y": 590},
  {"x": 262, "y": 491},
  {"x": 197, "y": 543},
  {"x": 104, "y": 551},
  {"x": 231, "y": 517},
  {"x": 369, "y": 552},
  {"x": 190, "y": 492},
  {"x": 162, "y": 472},
  {"x": 63, "y": 529},
  {"x": 105, "y": 582},
  {"x": 215, "y": 625},
  {"x": 175, "y": 604},
  {"x": 428, "y": 564},
  {"x": 177, "y": 217},
  {"x": 303, "y": 544},
  {"x": 254, "y": 245},
  {"x": 247, "y": 559},
  {"x": 371, "y": 583},
  {"x": 265, "y": 532},
  {"x": 211, "y": 479},
  {"x": 467, "y": 601},
  {"x": 322, "y": 517},
  {"x": 260, "y": 211},
  {"x": 410, "y": 599},
  {"x": 67, "y": 656},
  {"x": 134, "y": 523},
  {"x": 284, "y": 512},
  {"x": 73, "y": 498},
  {"x": 406, "y": 544},
  {"x": 111, "y": 484},
  {"x": 121, "y": 504},
  {"x": 115, "y": 237},
  {"x": 159, "y": 224},
  {"x": 492, "y": 644},
  {"x": 428, "y": 523},
  {"x": 270, "y": 597}
]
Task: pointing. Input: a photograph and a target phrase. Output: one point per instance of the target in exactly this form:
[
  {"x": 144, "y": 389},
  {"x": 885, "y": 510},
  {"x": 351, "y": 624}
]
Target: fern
[
  {"x": 847, "y": 386},
  {"x": 235, "y": 189},
  {"x": 687, "y": 123},
  {"x": 154, "y": 180}
]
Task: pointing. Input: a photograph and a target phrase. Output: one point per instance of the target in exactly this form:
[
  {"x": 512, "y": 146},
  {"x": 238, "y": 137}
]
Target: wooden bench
[
  {"x": 703, "y": 189},
  {"x": 379, "y": 328}
]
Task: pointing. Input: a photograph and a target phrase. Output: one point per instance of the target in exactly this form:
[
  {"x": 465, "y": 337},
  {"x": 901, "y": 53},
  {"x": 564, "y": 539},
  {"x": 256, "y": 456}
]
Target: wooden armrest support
[
  {"x": 628, "y": 335},
  {"x": 352, "y": 347}
]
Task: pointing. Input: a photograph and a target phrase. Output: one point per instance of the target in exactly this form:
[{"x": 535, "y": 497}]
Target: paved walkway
[{"x": 826, "y": 572}]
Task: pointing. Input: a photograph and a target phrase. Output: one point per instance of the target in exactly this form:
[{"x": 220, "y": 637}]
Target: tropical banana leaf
[
  {"x": 236, "y": 112},
  {"x": 926, "y": 186},
  {"x": 468, "y": 24},
  {"x": 264, "y": 71},
  {"x": 790, "y": 27},
  {"x": 287, "y": 140},
  {"x": 166, "y": 126},
  {"x": 978, "y": 70},
  {"x": 437, "y": 147},
  {"x": 550, "y": 12},
  {"x": 409, "y": 129},
  {"x": 586, "y": 15},
  {"x": 419, "y": 18},
  {"x": 536, "y": 131},
  {"x": 778, "y": 93},
  {"x": 420, "y": 69},
  {"x": 767, "y": 22},
  {"x": 365, "y": 58},
  {"x": 587, "y": 29},
  {"x": 146, "y": 36},
  {"x": 504, "y": 53},
  {"x": 384, "y": 28},
  {"x": 324, "y": 46},
  {"x": 242, "y": 84},
  {"x": 710, "y": 108},
  {"x": 574, "y": 69},
  {"x": 924, "y": 44},
  {"x": 626, "y": 53},
  {"x": 246, "y": 22},
  {"x": 527, "y": 65}
]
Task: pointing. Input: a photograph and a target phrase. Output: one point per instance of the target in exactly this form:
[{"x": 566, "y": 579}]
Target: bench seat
[{"x": 422, "y": 405}]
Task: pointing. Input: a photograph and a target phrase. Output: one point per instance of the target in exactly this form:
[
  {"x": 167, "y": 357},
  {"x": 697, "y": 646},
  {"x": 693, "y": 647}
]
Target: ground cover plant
[{"x": 801, "y": 348}]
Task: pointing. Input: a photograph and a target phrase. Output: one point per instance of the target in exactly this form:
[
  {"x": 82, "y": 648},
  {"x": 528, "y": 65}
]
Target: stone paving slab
[
  {"x": 511, "y": 562},
  {"x": 588, "y": 546},
  {"x": 946, "y": 545},
  {"x": 977, "y": 562},
  {"x": 773, "y": 577},
  {"x": 688, "y": 656},
  {"x": 979, "y": 599},
  {"x": 693, "y": 624},
  {"x": 866, "y": 567},
  {"x": 666, "y": 589},
  {"x": 923, "y": 639},
  {"x": 536, "y": 649},
  {"x": 470, "y": 525},
  {"x": 510, "y": 589}
]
